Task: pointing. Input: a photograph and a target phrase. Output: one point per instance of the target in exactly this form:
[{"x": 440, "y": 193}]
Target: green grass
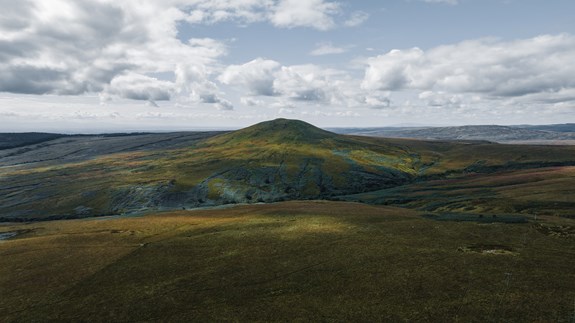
[{"x": 292, "y": 261}]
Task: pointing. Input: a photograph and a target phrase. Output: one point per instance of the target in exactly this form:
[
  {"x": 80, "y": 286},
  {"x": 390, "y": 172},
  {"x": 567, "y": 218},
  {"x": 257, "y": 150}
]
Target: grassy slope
[
  {"x": 540, "y": 191},
  {"x": 287, "y": 146},
  {"x": 288, "y": 261}
]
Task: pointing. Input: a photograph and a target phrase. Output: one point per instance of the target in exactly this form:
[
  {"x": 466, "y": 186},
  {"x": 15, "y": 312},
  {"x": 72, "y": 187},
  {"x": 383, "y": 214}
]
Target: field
[{"x": 289, "y": 261}]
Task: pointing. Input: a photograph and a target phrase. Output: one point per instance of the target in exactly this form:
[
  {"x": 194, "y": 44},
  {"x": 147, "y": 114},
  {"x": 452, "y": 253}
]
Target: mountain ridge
[{"x": 494, "y": 133}]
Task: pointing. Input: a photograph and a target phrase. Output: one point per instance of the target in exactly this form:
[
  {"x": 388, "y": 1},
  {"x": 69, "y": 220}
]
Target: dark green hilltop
[{"x": 269, "y": 162}]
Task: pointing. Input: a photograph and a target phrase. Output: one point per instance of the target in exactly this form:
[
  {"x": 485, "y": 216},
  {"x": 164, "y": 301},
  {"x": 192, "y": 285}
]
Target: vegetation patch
[
  {"x": 488, "y": 249},
  {"x": 562, "y": 231},
  {"x": 470, "y": 217}
]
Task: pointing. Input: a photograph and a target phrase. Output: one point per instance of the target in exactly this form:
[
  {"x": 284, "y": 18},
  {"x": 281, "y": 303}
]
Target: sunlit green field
[{"x": 291, "y": 261}]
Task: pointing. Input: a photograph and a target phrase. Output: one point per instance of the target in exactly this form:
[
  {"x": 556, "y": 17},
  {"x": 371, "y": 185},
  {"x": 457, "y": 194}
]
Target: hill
[
  {"x": 271, "y": 161},
  {"x": 23, "y": 152},
  {"x": 565, "y": 127},
  {"x": 13, "y": 140},
  {"x": 501, "y": 134}
]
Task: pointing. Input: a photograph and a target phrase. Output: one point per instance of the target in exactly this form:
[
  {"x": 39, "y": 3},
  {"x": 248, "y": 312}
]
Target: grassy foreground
[{"x": 318, "y": 261}]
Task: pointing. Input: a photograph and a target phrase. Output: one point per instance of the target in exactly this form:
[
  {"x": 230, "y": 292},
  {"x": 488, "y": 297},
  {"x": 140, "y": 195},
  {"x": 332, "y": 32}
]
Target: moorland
[{"x": 285, "y": 221}]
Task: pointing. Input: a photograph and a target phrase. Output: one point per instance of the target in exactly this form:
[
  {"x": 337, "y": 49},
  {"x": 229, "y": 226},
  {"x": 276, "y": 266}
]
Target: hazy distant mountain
[
  {"x": 488, "y": 133},
  {"x": 11, "y": 140},
  {"x": 567, "y": 127}
]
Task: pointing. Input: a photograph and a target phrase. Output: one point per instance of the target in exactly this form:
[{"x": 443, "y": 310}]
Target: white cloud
[
  {"x": 377, "y": 100},
  {"x": 309, "y": 13},
  {"x": 257, "y": 76},
  {"x": 357, "y": 18},
  {"x": 541, "y": 65},
  {"x": 194, "y": 84},
  {"x": 327, "y": 48},
  {"x": 251, "y": 102},
  {"x": 441, "y": 99},
  {"x": 300, "y": 85},
  {"x": 140, "y": 87},
  {"x": 303, "y": 83},
  {"x": 316, "y": 14},
  {"x": 73, "y": 47}
]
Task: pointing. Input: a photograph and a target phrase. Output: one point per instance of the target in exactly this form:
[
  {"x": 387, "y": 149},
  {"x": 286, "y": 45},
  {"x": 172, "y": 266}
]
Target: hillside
[
  {"x": 271, "y": 161},
  {"x": 13, "y": 140},
  {"x": 289, "y": 261},
  {"x": 59, "y": 149}
]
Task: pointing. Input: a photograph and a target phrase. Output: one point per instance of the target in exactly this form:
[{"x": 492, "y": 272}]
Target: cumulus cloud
[
  {"x": 141, "y": 87},
  {"x": 302, "y": 83},
  {"x": 194, "y": 84},
  {"x": 73, "y": 47},
  {"x": 316, "y": 14},
  {"x": 257, "y": 76},
  {"x": 327, "y": 48},
  {"x": 251, "y": 102},
  {"x": 297, "y": 85},
  {"x": 441, "y": 99},
  {"x": 377, "y": 100},
  {"x": 541, "y": 65},
  {"x": 117, "y": 48},
  {"x": 310, "y": 13}
]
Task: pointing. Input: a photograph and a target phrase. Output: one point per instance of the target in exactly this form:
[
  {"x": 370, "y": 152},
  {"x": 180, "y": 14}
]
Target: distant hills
[
  {"x": 503, "y": 134},
  {"x": 83, "y": 176}
]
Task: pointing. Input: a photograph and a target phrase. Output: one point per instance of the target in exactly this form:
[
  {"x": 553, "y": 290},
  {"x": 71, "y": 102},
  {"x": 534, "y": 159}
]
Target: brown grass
[{"x": 306, "y": 261}]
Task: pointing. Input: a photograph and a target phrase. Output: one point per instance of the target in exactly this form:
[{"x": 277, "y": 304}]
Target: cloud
[
  {"x": 299, "y": 84},
  {"x": 441, "y": 99},
  {"x": 251, "y": 102},
  {"x": 316, "y": 14},
  {"x": 257, "y": 76},
  {"x": 541, "y": 65},
  {"x": 327, "y": 48},
  {"x": 302, "y": 83},
  {"x": 70, "y": 47},
  {"x": 377, "y": 100},
  {"x": 194, "y": 85},
  {"x": 141, "y": 87},
  {"x": 357, "y": 18},
  {"x": 310, "y": 13}
]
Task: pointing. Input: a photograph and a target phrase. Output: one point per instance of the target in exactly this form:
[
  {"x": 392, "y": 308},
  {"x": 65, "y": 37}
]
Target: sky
[{"x": 89, "y": 66}]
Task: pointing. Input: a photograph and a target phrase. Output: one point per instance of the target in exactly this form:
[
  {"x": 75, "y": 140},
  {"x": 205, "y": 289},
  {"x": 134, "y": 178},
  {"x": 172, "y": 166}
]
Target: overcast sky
[{"x": 110, "y": 65}]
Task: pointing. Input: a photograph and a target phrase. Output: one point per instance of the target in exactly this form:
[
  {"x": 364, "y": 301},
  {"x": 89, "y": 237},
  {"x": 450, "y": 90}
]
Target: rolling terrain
[
  {"x": 268, "y": 162},
  {"x": 283, "y": 221},
  {"x": 289, "y": 261}
]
